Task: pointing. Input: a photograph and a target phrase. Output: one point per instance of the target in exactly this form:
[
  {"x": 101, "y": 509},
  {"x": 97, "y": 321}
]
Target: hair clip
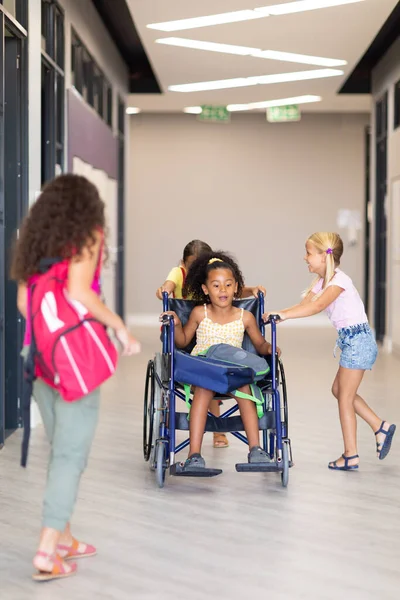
[
  {"x": 212, "y": 260},
  {"x": 329, "y": 251}
]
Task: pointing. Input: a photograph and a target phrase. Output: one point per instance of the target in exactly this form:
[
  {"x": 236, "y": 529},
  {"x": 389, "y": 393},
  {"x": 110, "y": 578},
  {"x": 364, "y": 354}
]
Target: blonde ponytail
[{"x": 331, "y": 244}]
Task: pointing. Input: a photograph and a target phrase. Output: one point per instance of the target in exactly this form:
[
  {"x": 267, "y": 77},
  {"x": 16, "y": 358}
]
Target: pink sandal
[
  {"x": 73, "y": 550},
  {"x": 59, "y": 568}
]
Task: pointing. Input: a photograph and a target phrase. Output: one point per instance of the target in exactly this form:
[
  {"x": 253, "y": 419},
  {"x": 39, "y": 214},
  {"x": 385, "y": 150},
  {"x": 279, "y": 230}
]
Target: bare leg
[
  {"x": 248, "y": 413},
  {"x": 363, "y": 410},
  {"x": 346, "y": 384},
  {"x": 220, "y": 439},
  {"x": 198, "y": 418}
]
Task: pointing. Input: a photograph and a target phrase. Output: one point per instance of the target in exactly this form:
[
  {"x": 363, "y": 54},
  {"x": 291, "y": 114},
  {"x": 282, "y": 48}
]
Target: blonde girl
[{"x": 333, "y": 291}]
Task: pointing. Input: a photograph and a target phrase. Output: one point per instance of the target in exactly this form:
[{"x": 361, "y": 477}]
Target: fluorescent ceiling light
[
  {"x": 210, "y": 46},
  {"x": 302, "y": 6},
  {"x": 248, "y": 15},
  {"x": 207, "y": 21},
  {"x": 304, "y": 59},
  {"x": 193, "y": 110},
  {"x": 272, "y": 103},
  {"x": 318, "y": 61},
  {"x": 259, "y": 80},
  {"x": 133, "y": 110}
]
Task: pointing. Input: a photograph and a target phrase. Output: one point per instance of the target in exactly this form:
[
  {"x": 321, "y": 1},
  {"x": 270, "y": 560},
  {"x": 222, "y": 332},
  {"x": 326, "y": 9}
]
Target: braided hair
[{"x": 200, "y": 270}]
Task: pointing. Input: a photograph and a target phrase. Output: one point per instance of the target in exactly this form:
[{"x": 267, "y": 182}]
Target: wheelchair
[{"x": 161, "y": 419}]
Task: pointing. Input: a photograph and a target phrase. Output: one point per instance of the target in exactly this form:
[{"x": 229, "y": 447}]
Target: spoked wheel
[
  {"x": 148, "y": 411},
  {"x": 285, "y": 463},
  {"x": 161, "y": 462},
  {"x": 158, "y": 412},
  {"x": 285, "y": 415}
]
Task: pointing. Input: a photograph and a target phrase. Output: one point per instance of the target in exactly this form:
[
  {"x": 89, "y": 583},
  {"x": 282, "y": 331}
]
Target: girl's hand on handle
[
  {"x": 258, "y": 288},
  {"x": 278, "y": 350},
  {"x": 267, "y": 315},
  {"x": 159, "y": 292},
  {"x": 173, "y": 314},
  {"x": 129, "y": 344}
]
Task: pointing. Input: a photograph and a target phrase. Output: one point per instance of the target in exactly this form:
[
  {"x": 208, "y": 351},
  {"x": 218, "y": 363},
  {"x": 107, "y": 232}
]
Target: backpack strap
[
  {"x": 183, "y": 281},
  {"x": 256, "y": 396},
  {"x": 99, "y": 266},
  {"x": 29, "y": 373}
]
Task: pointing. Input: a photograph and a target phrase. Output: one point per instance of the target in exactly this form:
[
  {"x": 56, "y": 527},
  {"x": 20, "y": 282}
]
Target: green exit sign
[
  {"x": 216, "y": 114},
  {"x": 283, "y": 114}
]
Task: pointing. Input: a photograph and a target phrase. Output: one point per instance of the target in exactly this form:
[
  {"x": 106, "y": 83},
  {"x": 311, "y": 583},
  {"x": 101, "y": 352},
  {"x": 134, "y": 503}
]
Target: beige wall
[
  {"x": 385, "y": 76},
  {"x": 249, "y": 187}
]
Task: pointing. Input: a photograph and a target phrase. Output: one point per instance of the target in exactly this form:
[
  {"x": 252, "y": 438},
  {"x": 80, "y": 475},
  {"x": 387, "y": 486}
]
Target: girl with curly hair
[
  {"x": 67, "y": 222},
  {"x": 215, "y": 280},
  {"x": 175, "y": 284}
]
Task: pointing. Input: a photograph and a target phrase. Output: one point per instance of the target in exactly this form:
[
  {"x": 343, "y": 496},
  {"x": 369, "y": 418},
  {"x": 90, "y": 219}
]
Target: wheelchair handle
[
  {"x": 273, "y": 318},
  {"x": 166, "y": 320},
  {"x": 165, "y": 301}
]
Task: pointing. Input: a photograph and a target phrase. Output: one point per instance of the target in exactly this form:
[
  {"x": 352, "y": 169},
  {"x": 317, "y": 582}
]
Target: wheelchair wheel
[
  {"x": 161, "y": 463},
  {"x": 157, "y": 410},
  {"x": 148, "y": 411},
  {"x": 285, "y": 408},
  {"x": 285, "y": 463}
]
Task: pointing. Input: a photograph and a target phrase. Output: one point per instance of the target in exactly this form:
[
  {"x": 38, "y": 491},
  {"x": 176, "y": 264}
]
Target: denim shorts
[{"x": 358, "y": 347}]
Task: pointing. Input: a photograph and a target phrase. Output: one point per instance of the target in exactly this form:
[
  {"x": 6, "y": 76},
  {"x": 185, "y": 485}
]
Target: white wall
[
  {"x": 385, "y": 75},
  {"x": 253, "y": 188},
  {"x": 34, "y": 97}
]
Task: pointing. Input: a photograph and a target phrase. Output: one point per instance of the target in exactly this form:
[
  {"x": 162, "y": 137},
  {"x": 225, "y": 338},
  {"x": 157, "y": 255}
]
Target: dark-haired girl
[
  {"x": 67, "y": 222},
  {"x": 174, "y": 285},
  {"x": 216, "y": 280}
]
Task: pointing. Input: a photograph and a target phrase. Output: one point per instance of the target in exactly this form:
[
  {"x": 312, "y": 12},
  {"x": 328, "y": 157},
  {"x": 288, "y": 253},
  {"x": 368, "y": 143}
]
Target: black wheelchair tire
[
  {"x": 285, "y": 464},
  {"x": 284, "y": 397},
  {"x": 160, "y": 463},
  {"x": 148, "y": 410}
]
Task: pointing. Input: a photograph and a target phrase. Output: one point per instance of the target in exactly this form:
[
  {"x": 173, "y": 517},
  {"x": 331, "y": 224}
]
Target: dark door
[
  {"x": 13, "y": 194},
  {"x": 381, "y": 117},
  {"x": 48, "y": 141},
  {"x": 2, "y": 246},
  {"x": 367, "y": 217}
]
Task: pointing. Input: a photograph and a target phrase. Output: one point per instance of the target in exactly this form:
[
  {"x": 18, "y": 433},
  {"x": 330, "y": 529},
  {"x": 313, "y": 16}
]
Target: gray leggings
[{"x": 70, "y": 429}]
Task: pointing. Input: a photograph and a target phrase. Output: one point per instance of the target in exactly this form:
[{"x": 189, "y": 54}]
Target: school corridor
[{"x": 327, "y": 536}]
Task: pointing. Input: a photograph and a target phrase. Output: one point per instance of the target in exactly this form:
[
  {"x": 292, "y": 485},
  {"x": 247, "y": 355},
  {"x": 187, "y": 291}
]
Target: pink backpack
[{"x": 70, "y": 350}]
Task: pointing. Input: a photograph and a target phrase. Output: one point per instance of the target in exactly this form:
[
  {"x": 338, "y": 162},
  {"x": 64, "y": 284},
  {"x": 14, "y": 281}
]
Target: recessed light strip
[
  {"x": 209, "y": 46},
  {"x": 193, "y": 110},
  {"x": 259, "y": 80},
  {"x": 305, "y": 59},
  {"x": 302, "y": 6},
  {"x": 220, "y": 19},
  {"x": 248, "y": 15},
  {"x": 271, "y": 103},
  {"x": 133, "y": 110}
]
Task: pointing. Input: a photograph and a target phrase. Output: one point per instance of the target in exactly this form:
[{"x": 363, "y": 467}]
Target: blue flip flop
[
  {"x": 346, "y": 466},
  {"x": 384, "y": 451}
]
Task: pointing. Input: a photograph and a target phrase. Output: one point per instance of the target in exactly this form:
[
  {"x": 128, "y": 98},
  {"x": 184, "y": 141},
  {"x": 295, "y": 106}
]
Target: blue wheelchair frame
[{"x": 276, "y": 444}]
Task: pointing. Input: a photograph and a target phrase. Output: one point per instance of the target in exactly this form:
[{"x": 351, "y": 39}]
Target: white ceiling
[{"x": 342, "y": 32}]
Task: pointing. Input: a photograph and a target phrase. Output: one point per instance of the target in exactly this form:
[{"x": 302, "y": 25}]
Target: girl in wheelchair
[{"x": 215, "y": 280}]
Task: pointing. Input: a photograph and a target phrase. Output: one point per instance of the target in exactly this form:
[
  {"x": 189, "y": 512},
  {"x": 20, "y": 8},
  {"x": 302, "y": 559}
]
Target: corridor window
[
  {"x": 397, "y": 105},
  {"x": 53, "y": 90},
  {"x": 53, "y": 31},
  {"x": 89, "y": 80}
]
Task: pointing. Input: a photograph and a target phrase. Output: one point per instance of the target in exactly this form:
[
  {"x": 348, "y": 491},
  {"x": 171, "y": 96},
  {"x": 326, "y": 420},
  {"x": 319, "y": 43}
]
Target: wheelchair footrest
[
  {"x": 177, "y": 470},
  {"x": 259, "y": 467}
]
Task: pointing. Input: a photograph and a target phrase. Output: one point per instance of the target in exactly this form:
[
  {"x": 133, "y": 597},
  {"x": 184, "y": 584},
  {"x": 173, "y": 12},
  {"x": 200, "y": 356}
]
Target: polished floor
[{"x": 328, "y": 536}]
